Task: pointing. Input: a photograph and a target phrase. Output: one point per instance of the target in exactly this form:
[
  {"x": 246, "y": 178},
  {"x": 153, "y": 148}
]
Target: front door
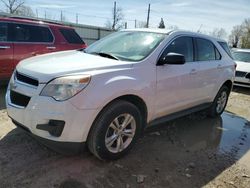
[{"x": 177, "y": 84}]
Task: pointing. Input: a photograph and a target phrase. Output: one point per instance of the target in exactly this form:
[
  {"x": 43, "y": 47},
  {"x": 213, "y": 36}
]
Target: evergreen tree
[{"x": 161, "y": 24}]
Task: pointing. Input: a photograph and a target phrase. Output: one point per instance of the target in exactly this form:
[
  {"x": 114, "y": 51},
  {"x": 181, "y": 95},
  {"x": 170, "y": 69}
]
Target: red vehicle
[{"x": 22, "y": 38}]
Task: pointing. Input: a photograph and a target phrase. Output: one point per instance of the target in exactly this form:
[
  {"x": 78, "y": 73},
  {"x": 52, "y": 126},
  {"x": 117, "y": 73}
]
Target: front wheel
[
  {"x": 220, "y": 102},
  {"x": 115, "y": 130}
]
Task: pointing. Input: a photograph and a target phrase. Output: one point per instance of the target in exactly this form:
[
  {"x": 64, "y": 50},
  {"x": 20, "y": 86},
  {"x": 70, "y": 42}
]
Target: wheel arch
[
  {"x": 229, "y": 84},
  {"x": 134, "y": 99}
]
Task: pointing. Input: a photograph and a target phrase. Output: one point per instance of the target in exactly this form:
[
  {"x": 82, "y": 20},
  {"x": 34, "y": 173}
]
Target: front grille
[
  {"x": 248, "y": 76},
  {"x": 26, "y": 79},
  {"x": 240, "y": 74},
  {"x": 19, "y": 99},
  {"x": 242, "y": 83}
]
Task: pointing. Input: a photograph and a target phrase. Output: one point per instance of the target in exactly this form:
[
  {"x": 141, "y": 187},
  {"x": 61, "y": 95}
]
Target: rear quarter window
[
  {"x": 226, "y": 48},
  {"x": 71, "y": 36}
]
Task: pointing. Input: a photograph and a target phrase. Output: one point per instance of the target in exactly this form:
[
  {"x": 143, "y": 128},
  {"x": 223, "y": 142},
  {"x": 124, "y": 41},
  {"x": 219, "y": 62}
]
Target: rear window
[
  {"x": 30, "y": 33},
  {"x": 226, "y": 48},
  {"x": 71, "y": 36}
]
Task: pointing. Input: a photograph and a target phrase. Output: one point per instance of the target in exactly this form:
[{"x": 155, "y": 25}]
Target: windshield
[
  {"x": 242, "y": 56},
  {"x": 127, "y": 45}
]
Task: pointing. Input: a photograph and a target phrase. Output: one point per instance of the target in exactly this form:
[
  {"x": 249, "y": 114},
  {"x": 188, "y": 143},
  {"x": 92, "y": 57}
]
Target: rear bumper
[{"x": 66, "y": 148}]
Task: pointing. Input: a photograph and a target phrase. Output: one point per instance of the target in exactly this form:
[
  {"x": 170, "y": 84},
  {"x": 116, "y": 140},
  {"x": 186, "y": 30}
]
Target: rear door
[
  {"x": 6, "y": 52},
  {"x": 211, "y": 67},
  {"x": 30, "y": 40}
]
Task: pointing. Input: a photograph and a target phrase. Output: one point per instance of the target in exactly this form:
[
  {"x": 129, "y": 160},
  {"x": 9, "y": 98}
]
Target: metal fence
[{"x": 88, "y": 33}]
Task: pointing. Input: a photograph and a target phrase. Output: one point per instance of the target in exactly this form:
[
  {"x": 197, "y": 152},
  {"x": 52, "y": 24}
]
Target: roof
[
  {"x": 180, "y": 32},
  {"x": 164, "y": 31},
  {"x": 31, "y": 21}
]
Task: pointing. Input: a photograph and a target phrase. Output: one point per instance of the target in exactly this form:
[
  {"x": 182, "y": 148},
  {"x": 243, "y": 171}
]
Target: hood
[
  {"x": 243, "y": 66},
  {"x": 48, "y": 66}
]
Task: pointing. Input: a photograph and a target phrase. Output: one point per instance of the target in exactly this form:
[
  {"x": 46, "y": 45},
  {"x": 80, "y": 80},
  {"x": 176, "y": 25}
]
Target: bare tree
[
  {"x": 234, "y": 37},
  {"x": 240, "y": 35},
  {"x": 142, "y": 24},
  {"x": 245, "y": 39},
  {"x": 12, "y": 6},
  {"x": 117, "y": 22},
  {"x": 219, "y": 33},
  {"x": 25, "y": 11}
]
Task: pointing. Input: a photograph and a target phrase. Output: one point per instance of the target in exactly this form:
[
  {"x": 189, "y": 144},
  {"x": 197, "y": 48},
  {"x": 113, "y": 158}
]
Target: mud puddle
[{"x": 226, "y": 134}]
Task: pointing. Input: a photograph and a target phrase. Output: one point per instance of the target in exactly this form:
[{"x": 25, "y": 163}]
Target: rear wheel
[
  {"x": 115, "y": 131},
  {"x": 220, "y": 102}
]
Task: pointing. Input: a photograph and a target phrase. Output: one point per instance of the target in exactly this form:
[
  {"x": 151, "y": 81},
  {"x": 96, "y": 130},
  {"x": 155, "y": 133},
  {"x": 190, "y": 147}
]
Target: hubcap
[
  {"x": 221, "y": 102},
  {"x": 120, "y": 133}
]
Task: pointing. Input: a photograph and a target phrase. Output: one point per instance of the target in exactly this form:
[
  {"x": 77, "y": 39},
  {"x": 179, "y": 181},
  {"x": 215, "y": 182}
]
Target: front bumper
[
  {"x": 242, "y": 81},
  {"x": 40, "y": 111},
  {"x": 66, "y": 148}
]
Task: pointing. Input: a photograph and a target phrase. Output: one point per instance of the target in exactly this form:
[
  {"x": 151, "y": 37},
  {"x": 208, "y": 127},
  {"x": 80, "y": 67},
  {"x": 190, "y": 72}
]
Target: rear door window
[
  {"x": 31, "y": 33},
  {"x": 71, "y": 36},
  {"x": 206, "y": 50},
  {"x": 181, "y": 45},
  {"x": 3, "y": 32}
]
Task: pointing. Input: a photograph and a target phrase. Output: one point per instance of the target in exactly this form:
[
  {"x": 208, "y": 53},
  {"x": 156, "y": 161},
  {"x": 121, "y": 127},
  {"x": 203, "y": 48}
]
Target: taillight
[{"x": 84, "y": 46}]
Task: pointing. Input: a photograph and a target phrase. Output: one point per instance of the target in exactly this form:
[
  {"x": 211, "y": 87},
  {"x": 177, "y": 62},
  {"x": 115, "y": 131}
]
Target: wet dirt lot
[{"x": 193, "y": 151}]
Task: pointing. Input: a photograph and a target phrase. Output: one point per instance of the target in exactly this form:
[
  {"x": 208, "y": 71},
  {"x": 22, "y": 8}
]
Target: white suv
[{"x": 106, "y": 95}]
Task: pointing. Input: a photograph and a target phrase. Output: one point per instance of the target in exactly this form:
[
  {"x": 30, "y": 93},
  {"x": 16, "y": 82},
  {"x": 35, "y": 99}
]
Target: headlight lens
[{"x": 64, "y": 88}]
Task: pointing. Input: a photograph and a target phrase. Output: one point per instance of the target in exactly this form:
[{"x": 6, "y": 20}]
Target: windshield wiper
[{"x": 103, "y": 54}]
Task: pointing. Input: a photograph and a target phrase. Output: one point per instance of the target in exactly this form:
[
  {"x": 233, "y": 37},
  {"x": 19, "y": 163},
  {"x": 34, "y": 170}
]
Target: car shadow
[
  {"x": 3, "y": 89},
  {"x": 242, "y": 90},
  {"x": 187, "y": 152}
]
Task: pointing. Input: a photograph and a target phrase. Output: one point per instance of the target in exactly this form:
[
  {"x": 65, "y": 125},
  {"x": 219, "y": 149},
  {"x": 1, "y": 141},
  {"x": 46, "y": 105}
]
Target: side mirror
[{"x": 172, "y": 59}]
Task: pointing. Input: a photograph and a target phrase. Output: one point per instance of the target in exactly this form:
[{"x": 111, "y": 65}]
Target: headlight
[{"x": 66, "y": 87}]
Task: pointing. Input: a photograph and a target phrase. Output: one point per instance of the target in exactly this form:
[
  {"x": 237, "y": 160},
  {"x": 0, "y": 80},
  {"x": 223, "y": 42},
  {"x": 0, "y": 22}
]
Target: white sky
[{"x": 187, "y": 14}]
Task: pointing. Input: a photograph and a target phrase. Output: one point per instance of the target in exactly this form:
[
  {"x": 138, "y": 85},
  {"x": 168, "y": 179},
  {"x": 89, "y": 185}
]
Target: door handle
[
  {"x": 4, "y": 47},
  {"x": 219, "y": 66},
  {"x": 193, "y": 71},
  {"x": 51, "y": 47}
]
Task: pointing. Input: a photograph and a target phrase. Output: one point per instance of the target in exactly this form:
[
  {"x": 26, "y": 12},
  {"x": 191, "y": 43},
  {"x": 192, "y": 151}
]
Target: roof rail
[
  {"x": 36, "y": 19},
  {"x": 31, "y": 18}
]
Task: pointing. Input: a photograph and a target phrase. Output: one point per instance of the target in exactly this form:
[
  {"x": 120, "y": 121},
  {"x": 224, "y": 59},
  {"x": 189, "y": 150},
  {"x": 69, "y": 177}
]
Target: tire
[
  {"x": 109, "y": 137},
  {"x": 220, "y": 102}
]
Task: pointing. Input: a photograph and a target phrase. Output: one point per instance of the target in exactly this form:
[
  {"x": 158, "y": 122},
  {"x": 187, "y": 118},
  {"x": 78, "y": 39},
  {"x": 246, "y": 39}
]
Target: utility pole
[
  {"x": 114, "y": 21},
  {"x": 45, "y": 15},
  {"x": 135, "y": 23},
  {"x": 148, "y": 16},
  {"x": 77, "y": 18}
]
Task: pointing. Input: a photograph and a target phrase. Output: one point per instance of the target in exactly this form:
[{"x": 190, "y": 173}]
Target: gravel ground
[{"x": 193, "y": 151}]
